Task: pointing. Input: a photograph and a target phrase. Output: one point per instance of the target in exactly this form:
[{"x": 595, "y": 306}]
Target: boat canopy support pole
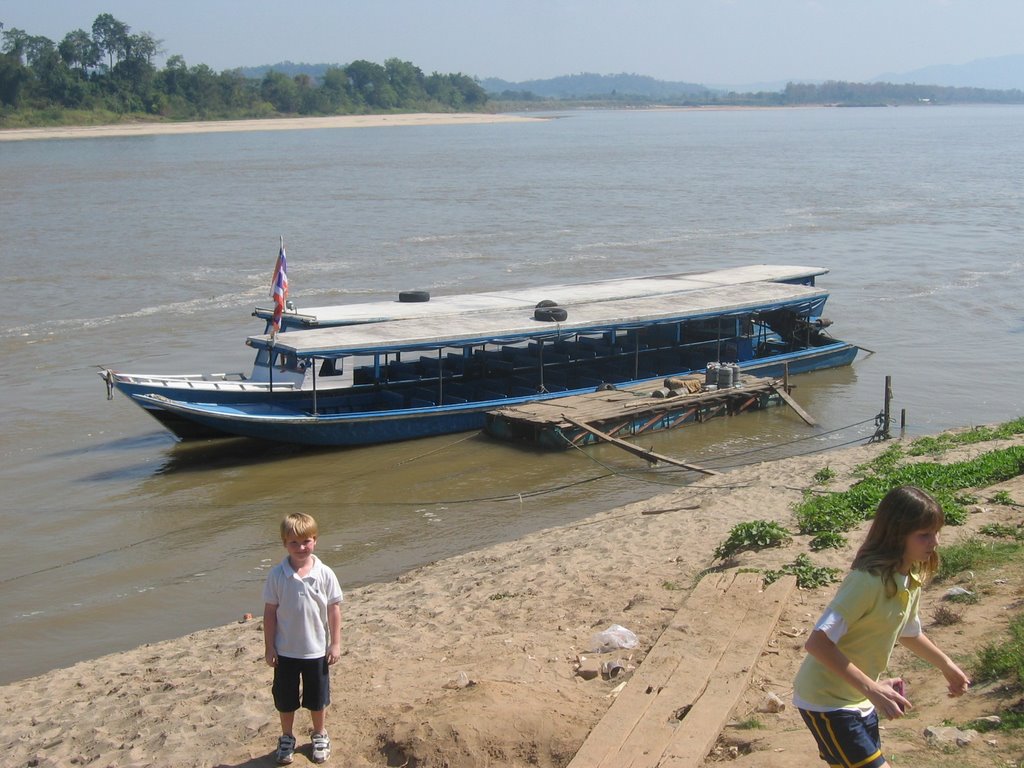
[
  {"x": 312, "y": 362},
  {"x": 440, "y": 377},
  {"x": 540, "y": 356}
]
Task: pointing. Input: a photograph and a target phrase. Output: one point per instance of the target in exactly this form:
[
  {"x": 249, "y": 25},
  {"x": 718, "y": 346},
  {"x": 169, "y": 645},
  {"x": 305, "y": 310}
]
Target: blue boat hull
[{"x": 282, "y": 423}]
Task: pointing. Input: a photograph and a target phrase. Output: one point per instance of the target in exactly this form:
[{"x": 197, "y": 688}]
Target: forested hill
[{"x": 108, "y": 73}]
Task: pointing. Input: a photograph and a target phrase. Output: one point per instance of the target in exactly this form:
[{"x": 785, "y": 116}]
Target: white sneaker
[
  {"x": 285, "y": 750},
  {"x": 321, "y": 747}
]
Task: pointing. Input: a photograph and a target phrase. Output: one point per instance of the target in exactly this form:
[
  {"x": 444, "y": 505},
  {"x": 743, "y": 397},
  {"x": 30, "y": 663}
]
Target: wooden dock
[
  {"x": 628, "y": 412},
  {"x": 671, "y": 712}
]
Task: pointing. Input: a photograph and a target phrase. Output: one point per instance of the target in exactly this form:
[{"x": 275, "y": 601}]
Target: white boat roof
[
  {"x": 564, "y": 295},
  {"x": 507, "y": 325}
]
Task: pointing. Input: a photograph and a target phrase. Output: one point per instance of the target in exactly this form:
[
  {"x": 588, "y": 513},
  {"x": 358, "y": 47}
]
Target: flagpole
[{"x": 277, "y": 316}]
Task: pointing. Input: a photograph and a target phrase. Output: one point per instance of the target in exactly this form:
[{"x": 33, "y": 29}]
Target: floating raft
[{"x": 585, "y": 419}]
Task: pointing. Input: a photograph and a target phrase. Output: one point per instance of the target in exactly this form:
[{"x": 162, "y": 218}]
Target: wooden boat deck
[{"x": 628, "y": 412}]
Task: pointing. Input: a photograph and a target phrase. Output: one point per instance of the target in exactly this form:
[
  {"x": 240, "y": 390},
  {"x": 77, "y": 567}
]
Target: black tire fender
[
  {"x": 550, "y": 314},
  {"x": 413, "y": 296}
]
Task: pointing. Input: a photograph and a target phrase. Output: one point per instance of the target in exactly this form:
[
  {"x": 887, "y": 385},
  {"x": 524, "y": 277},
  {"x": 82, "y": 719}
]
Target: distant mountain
[
  {"x": 589, "y": 85},
  {"x": 1000, "y": 73},
  {"x": 289, "y": 68}
]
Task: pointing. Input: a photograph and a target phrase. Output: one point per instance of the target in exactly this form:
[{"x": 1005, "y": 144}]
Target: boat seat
[{"x": 391, "y": 400}]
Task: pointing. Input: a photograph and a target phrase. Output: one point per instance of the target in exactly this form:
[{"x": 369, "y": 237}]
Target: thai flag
[{"x": 279, "y": 288}]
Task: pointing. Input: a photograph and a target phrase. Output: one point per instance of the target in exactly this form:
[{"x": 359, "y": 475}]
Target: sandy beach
[
  {"x": 269, "y": 124},
  {"x": 471, "y": 661}
]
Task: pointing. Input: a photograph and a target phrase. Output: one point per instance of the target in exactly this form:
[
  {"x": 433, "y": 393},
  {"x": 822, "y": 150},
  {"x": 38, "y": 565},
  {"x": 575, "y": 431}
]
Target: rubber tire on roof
[
  {"x": 550, "y": 314},
  {"x": 413, "y": 296},
  {"x": 546, "y": 303}
]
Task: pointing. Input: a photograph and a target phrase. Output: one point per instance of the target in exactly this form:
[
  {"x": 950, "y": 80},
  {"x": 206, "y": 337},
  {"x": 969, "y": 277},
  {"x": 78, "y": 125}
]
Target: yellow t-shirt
[{"x": 874, "y": 624}]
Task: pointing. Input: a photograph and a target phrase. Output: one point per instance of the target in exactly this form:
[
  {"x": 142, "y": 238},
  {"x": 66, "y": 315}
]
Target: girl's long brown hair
[{"x": 903, "y": 511}]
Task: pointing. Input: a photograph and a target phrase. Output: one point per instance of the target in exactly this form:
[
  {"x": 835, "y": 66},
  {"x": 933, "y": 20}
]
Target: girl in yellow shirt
[{"x": 837, "y": 690}]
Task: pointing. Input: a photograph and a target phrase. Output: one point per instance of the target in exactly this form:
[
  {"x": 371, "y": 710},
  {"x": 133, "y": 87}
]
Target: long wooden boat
[
  {"x": 289, "y": 381},
  {"x": 424, "y": 376}
]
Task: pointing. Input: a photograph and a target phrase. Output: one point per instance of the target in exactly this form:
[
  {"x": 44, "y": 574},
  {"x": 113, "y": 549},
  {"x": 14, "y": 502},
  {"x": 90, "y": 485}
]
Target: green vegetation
[
  {"x": 824, "y": 475},
  {"x": 757, "y": 534},
  {"x": 1003, "y": 497},
  {"x": 808, "y": 575},
  {"x": 1003, "y": 659},
  {"x": 975, "y": 554},
  {"x": 930, "y": 446},
  {"x": 839, "y": 512},
  {"x": 107, "y": 74},
  {"x": 828, "y": 540},
  {"x": 1002, "y": 531}
]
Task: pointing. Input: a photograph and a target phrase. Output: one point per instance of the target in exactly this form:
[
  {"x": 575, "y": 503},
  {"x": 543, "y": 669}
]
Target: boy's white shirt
[{"x": 307, "y": 638}]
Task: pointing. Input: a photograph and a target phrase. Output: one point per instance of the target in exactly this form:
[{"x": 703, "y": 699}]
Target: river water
[{"x": 148, "y": 254}]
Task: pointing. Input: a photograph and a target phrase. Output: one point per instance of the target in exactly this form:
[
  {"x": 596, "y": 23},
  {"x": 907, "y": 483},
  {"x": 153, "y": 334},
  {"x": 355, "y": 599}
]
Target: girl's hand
[
  {"x": 888, "y": 703},
  {"x": 958, "y": 682}
]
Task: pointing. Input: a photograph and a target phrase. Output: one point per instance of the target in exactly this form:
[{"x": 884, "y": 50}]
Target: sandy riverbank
[
  {"x": 510, "y": 618},
  {"x": 269, "y": 124}
]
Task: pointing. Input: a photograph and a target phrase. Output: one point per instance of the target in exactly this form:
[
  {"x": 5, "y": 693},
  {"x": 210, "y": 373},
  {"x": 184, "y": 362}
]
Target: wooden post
[
  {"x": 887, "y": 418},
  {"x": 903, "y": 422}
]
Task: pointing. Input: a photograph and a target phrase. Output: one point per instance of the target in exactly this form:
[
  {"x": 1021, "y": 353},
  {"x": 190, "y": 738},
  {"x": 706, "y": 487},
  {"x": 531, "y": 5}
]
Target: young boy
[{"x": 302, "y": 634}]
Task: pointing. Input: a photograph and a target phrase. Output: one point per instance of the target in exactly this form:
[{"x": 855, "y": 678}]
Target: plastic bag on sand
[{"x": 614, "y": 637}]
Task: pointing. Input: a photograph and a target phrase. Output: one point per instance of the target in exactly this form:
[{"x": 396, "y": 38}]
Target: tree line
[{"x": 110, "y": 69}]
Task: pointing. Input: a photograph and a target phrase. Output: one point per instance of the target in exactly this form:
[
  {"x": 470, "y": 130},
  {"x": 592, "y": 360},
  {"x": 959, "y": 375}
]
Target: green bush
[
  {"x": 754, "y": 535},
  {"x": 808, "y": 575}
]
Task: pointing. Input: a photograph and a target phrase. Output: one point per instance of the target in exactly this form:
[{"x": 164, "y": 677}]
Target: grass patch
[
  {"x": 1002, "y": 531},
  {"x": 975, "y": 554},
  {"x": 931, "y": 446},
  {"x": 1005, "y": 659}
]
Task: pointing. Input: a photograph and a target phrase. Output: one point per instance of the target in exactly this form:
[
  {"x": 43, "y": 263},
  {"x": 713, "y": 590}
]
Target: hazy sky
[{"x": 714, "y": 42}]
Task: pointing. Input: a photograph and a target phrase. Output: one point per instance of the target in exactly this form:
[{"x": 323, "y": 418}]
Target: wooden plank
[
  {"x": 683, "y": 648},
  {"x": 635, "y": 449},
  {"x": 672, "y": 710},
  {"x": 700, "y": 729},
  {"x": 781, "y": 392}
]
